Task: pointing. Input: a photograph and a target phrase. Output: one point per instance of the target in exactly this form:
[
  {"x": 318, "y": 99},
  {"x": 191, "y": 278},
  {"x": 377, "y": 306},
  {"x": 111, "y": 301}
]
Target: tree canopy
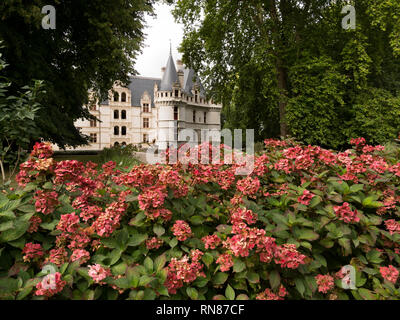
[
  {"x": 292, "y": 62},
  {"x": 94, "y": 44}
]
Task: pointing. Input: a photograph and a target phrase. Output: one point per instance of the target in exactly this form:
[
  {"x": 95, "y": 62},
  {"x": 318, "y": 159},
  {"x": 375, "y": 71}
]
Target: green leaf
[
  {"x": 253, "y": 277},
  {"x": 159, "y": 262},
  {"x": 192, "y": 293},
  {"x": 356, "y": 187},
  {"x": 230, "y": 293},
  {"x": 207, "y": 259},
  {"x": 220, "y": 278},
  {"x": 148, "y": 264},
  {"x": 173, "y": 242},
  {"x": 136, "y": 239},
  {"x": 315, "y": 201},
  {"x": 274, "y": 279},
  {"x": 158, "y": 230},
  {"x": 300, "y": 286},
  {"x": 238, "y": 265},
  {"x": 307, "y": 234}
]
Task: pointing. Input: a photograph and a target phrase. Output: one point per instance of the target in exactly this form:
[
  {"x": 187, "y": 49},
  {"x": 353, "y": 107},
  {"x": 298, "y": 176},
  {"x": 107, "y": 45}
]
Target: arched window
[
  {"x": 123, "y": 114},
  {"x": 116, "y": 144},
  {"x": 116, "y": 114},
  {"x": 116, "y": 131},
  {"x": 124, "y": 143},
  {"x": 116, "y": 96},
  {"x": 123, "y": 131},
  {"x": 123, "y": 97}
]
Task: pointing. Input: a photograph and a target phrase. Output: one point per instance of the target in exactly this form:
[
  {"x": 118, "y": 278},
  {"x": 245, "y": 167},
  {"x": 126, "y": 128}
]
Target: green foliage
[
  {"x": 321, "y": 240},
  {"x": 18, "y": 122},
  {"x": 292, "y": 62},
  {"x": 93, "y": 45}
]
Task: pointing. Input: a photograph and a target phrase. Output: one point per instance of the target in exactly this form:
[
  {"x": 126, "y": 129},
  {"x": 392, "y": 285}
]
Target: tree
[
  {"x": 94, "y": 44},
  {"x": 318, "y": 80},
  {"x": 17, "y": 123}
]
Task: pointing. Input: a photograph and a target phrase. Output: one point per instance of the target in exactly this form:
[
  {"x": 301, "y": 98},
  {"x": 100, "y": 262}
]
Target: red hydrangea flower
[
  {"x": 324, "y": 282},
  {"x": 393, "y": 226},
  {"x": 305, "y": 198},
  {"x": 45, "y": 201},
  {"x": 98, "y": 273},
  {"x": 288, "y": 257},
  {"x": 181, "y": 230},
  {"x": 154, "y": 243},
  {"x": 80, "y": 255},
  {"x": 389, "y": 273},
  {"x": 32, "y": 251},
  {"x": 211, "y": 241},
  {"x": 225, "y": 262},
  {"x": 50, "y": 285},
  {"x": 345, "y": 213}
]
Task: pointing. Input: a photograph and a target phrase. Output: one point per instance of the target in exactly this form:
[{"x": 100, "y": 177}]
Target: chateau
[{"x": 153, "y": 111}]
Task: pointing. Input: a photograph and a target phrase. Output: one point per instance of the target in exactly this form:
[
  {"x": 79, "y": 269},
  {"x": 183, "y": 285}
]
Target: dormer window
[
  {"x": 116, "y": 97},
  {"x": 146, "y": 107},
  {"x": 123, "y": 97}
]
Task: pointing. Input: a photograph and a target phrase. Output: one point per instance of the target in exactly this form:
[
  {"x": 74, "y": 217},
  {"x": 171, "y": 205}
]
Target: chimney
[{"x": 179, "y": 64}]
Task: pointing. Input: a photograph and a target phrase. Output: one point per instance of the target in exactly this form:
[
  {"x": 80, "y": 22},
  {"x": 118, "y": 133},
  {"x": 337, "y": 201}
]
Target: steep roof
[
  {"x": 138, "y": 86},
  {"x": 170, "y": 76}
]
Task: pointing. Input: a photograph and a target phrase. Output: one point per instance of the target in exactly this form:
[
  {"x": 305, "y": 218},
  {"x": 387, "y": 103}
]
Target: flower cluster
[
  {"x": 345, "y": 213},
  {"x": 181, "y": 230},
  {"x": 182, "y": 271},
  {"x": 225, "y": 262},
  {"x": 46, "y": 201},
  {"x": 324, "y": 282},
  {"x": 389, "y": 273},
  {"x": 211, "y": 241},
  {"x": 154, "y": 243},
  {"x": 32, "y": 251},
  {"x": 98, "y": 273},
  {"x": 50, "y": 285},
  {"x": 267, "y": 294},
  {"x": 288, "y": 257}
]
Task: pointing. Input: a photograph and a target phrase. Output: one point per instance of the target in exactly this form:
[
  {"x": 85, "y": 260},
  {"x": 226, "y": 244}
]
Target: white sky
[{"x": 160, "y": 30}]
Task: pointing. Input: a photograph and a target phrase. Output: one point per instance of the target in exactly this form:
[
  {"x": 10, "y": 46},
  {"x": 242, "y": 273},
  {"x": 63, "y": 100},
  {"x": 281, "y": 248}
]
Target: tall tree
[
  {"x": 321, "y": 82},
  {"x": 93, "y": 44}
]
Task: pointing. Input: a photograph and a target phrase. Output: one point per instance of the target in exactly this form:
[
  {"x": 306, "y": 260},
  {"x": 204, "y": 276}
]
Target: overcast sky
[{"x": 160, "y": 30}]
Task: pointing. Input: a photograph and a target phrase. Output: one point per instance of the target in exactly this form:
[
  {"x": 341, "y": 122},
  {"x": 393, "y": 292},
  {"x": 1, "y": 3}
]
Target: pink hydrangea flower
[
  {"x": 389, "y": 273},
  {"x": 324, "y": 282},
  {"x": 181, "y": 230}
]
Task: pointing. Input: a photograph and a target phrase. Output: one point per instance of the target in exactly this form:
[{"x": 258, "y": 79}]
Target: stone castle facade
[{"x": 152, "y": 111}]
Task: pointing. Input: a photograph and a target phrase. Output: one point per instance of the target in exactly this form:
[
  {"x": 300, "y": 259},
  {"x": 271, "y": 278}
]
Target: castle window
[
  {"x": 176, "y": 93},
  {"x": 175, "y": 113},
  {"x": 205, "y": 117},
  {"x": 123, "y": 97},
  {"x": 162, "y": 94},
  {"x": 145, "y": 107},
  {"x": 93, "y": 123},
  {"x": 123, "y": 114},
  {"x": 145, "y": 138},
  {"x": 93, "y": 137},
  {"x": 116, "y": 114},
  {"x": 123, "y": 131},
  {"x": 145, "y": 122},
  {"x": 194, "y": 116},
  {"x": 116, "y": 131},
  {"x": 116, "y": 144},
  {"x": 116, "y": 96}
]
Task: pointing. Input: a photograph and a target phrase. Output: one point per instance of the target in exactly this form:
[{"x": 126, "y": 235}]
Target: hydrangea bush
[{"x": 185, "y": 231}]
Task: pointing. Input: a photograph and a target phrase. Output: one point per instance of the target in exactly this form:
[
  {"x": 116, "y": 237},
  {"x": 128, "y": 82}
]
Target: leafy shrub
[
  {"x": 122, "y": 155},
  {"x": 189, "y": 231}
]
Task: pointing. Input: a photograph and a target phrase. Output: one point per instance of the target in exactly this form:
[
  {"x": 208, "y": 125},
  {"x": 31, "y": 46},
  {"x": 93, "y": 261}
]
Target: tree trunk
[{"x": 280, "y": 69}]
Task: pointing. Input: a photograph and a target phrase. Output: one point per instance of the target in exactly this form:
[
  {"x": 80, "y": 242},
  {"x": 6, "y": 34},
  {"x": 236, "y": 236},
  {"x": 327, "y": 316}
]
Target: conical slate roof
[{"x": 170, "y": 76}]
